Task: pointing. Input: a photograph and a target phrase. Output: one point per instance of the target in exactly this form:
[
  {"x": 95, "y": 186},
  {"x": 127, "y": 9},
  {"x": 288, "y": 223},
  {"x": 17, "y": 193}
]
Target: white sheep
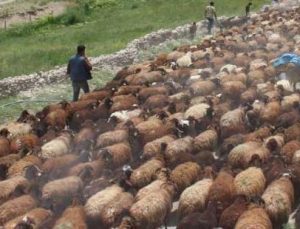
[{"x": 185, "y": 61}]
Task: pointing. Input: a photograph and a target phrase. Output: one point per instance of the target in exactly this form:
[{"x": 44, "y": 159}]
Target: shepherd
[
  {"x": 210, "y": 15},
  {"x": 79, "y": 70}
]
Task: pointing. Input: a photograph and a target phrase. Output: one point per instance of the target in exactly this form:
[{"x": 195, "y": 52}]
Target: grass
[{"x": 104, "y": 26}]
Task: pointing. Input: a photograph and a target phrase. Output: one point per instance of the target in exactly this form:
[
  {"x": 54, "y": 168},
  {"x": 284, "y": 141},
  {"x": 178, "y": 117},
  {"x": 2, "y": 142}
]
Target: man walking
[
  {"x": 79, "y": 69},
  {"x": 210, "y": 15}
]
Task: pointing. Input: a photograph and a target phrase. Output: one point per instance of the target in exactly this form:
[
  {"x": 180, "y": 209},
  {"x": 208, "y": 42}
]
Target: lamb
[
  {"x": 111, "y": 137},
  {"x": 57, "y": 147},
  {"x": 207, "y": 140},
  {"x": 256, "y": 217},
  {"x": 143, "y": 175},
  {"x": 16, "y": 207},
  {"x": 194, "y": 198},
  {"x": 279, "y": 191},
  {"x": 184, "y": 175},
  {"x": 38, "y": 216},
  {"x": 250, "y": 182},
  {"x": 74, "y": 217},
  {"x": 58, "y": 193},
  {"x": 153, "y": 148}
]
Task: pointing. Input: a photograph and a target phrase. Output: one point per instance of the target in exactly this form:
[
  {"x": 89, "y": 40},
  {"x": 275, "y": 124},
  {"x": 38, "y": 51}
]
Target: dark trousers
[
  {"x": 77, "y": 85},
  {"x": 210, "y": 24}
]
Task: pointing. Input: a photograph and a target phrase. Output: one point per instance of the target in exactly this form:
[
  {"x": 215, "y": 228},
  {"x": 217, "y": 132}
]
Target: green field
[{"x": 105, "y": 26}]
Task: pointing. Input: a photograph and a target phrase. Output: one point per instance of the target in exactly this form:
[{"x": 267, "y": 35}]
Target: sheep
[
  {"x": 58, "y": 193},
  {"x": 174, "y": 56},
  {"x": 16, "y": 129},
  {"x": 98, "y": 95},
  {"x": 143, "y": 175},
  {"x": 152, "y": 210},
  {"x": 293, "y": 132},
  {"x": 184, "y": 175},
  {"x": 233, "y": 89},
  {"x": 179, "y": 150},
  {"x": 270, "y": 112},
  {"x": 288, "y": 101},
  {"x": 96, "y": 165},
  {"x": 207, "y": 219},
  {"x": 73, "y": 217},
  {"x": 250, "y": 182},
  {"x": 287, "y": 119},
  {"x": 289, "y": 149},
  {"x": 107, "y": 205},
  {"x": 222, "y": 190},
  {"x": 123, "y": 102},
  {"x": 13, "y": 186},
  {"x": 259, "y": 134},
  {"x": 156, "y": 101},
  {"x": 57, "y": 147},
  {"x": 19, "y": 167},
  {"x": 29, "y": 141},
  {"x": 279, "y": 199},
  {"x": 5, "y": 148},
  {"x": 241, "y": 155},
  {"x": 16, "y": 207},
  {"x": 255, "y": 217},
  {"x": 153, "y": 148},
  {"x": 180, "y": 76},
  {"x": 38, "y": 216},
  {"x": 274, "y": 143},
  {"x": 194, "y": 198},
  {"x": 197, "y": 111},
  {"x": 116, "y": 155},
  {"x": 202, "y": 88},
  {"x": 230, "y": 215},
  {"x": 149, "y": 91},
  {"x": 207, "y": 140},
  {"x": 111, "y": 137},
  {"x": 128, "y": 89},
  {"x": 57, "y": 118},
  {"x": 232, "y": 122}
]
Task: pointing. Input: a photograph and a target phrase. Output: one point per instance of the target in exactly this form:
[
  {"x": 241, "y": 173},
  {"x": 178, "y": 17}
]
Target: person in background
[
  {"x": 193, "y": 30},
  {"x": 79, "y": 69},
  {"x": 247, "y": 9},
  {"x": 210, "y": 15}
]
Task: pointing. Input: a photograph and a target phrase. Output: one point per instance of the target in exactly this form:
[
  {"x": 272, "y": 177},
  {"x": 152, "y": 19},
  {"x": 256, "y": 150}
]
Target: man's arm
[
  {"x": 88, "y": 65},
  {"x": 68, "y": 69},
  {"x": 215, "y": 13}
]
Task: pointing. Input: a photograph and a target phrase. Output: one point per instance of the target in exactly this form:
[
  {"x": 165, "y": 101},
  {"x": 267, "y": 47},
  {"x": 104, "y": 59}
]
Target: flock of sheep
[{"x": 209, "y": 127}]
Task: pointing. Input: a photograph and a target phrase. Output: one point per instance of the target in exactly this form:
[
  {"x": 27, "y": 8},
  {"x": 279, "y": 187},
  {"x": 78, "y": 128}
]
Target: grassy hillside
[{"x": 104, "y": 26}]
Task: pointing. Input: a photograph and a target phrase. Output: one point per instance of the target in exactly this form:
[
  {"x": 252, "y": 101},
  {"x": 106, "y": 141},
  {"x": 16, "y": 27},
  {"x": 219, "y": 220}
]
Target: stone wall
[{"x": 13, "y": 85}]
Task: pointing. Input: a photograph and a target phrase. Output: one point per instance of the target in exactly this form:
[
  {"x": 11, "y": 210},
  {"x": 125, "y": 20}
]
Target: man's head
[
  {"x": 212, "y": 3},
  {"x": 81, "y": 50},
  {"x": 250, "y": 3}
]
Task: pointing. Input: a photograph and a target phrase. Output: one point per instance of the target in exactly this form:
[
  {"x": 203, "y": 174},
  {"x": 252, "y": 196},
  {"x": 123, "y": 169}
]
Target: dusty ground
[{"x": 13, "y": 12}]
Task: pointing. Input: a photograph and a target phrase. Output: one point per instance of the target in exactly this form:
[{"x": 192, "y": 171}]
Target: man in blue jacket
[{"x": 79, "y": 69}]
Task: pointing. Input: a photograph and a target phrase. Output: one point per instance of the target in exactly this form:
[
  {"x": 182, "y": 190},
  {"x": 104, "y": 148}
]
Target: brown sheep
[
  {"x": 5, "y": 148},
  {"x": 16, "y": 207},
  {"x": 222, "y": 190},
  {"x": 249, "y": 95},
  {"x": 207, "y": 140},
  {"x": 233, "y": 89},
  {"x": 123, "y": 102},
  {"x": 149, "y": 91},
  {"x": 128, "y": 89},
  {"x": 96, "y": 165},
  {"x": 270, "y": 112},
  {"x": 97, "y": 95},
  {"x": 29, "y": 141},
  {"x": 73, "y": 216},
  {"x": 185, "y": 175},
  {"x": 292, "y": 133},
  {"x": 156, "y": 101},
  {"x": 202, "y": 88},
  {"x": 289, "y": 149},
  {"x": 232, "y": 122},
  {"x": 19, "y": 167},
  {"x": 111, "y": 137}
]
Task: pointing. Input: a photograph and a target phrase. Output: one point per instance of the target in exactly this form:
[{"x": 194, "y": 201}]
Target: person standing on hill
[
  {"x": 79, "y": 69},
  {"x": 210, "y": 15},
  {"x": 247, "y": 8}
]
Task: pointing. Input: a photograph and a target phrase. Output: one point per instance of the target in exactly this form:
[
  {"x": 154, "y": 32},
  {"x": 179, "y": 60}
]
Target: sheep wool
[
  {"x": 121, "y": 153},
  {"x": 16, "y": 207},
  {"x": 72, "y": 217},
  {"x": 185, "y": 174},
  {"x": 98, "y": 202},
  {"x": 254, "y": 218},
  {"x": 194, "y": 198},
  {"x": 289, "y": 149},
  {"x": 288, "y": 101},
  {"x": 197, "y": 111},
  {"x": 232, "y": 122},
  {"x": 250, "y": 182},
  {"x": 185, "y": 61},
  {"x": 16, "y": 129},
  {"x": 207, "y": 140},
  {"x": 279, "y": 199},
  {"x": 143, "y": 174},
  {"x": 39, "y": 215},
  {"x": 150, "y": 188},
  {"x": 203, "y": 88},
  {"x": 18, "y": 167},
  {"x": 57, "y": 147}
]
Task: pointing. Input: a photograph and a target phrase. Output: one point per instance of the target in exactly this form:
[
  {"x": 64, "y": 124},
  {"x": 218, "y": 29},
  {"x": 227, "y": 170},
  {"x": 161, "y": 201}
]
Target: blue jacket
[
  {"x": 79, "y": 69},
  {"x": 287, "y": 58}
]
